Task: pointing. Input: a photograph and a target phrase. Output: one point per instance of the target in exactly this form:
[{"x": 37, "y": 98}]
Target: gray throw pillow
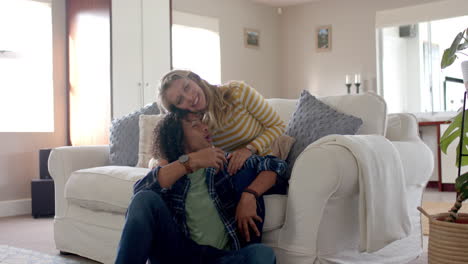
[
  {"x": 125, "y": 136},
  {"x": 313, "y": 120}
]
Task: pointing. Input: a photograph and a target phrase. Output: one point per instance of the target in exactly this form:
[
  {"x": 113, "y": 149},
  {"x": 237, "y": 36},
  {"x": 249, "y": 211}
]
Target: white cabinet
[
  {"x": 140, "y": 52},
  {"x": 429, "y": 136}
]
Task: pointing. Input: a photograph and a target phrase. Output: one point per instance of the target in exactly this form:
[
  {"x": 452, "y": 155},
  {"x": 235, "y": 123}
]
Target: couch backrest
[{"x": 370, "y": 107}]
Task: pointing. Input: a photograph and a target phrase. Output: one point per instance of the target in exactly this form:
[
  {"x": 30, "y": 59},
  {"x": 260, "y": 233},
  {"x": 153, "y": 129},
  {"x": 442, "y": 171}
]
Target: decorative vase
[{"x": 464, "y": 66}]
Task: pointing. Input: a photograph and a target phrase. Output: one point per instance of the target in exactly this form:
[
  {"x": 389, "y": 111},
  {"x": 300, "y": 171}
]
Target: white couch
[{"x": 316, "y": 223}]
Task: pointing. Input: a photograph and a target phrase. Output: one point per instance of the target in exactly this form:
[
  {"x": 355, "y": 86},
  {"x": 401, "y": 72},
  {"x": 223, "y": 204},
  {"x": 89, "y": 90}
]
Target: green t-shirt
[{"x": 203, "y": 220}]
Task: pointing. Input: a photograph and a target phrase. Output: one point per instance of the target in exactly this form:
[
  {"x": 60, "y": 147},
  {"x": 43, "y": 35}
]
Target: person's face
[
  {"x": 187, "y": 95},
  {"x": 196, "y": 133}
]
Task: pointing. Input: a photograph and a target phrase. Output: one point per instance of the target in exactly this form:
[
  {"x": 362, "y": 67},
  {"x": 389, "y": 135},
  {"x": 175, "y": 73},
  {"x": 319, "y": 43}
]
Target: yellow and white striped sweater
[{"x": 252, "y": 122}]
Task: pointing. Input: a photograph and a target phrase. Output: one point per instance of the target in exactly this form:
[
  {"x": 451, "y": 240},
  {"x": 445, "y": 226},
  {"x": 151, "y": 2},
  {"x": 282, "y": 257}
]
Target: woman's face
[{"x": 187, "y": 95}]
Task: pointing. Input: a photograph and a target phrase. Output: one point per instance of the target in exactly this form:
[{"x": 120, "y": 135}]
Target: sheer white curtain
[{"x": 26, "y": 84}]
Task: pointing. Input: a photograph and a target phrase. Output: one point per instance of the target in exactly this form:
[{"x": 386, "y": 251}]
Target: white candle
[
  {"x": 347, "y": 79},
  {"x": 357, "y": 78}
]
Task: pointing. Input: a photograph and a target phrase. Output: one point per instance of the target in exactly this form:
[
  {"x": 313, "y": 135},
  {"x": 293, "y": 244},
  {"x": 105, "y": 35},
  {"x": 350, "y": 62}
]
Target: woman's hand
[{"x": 237, "y": 159}]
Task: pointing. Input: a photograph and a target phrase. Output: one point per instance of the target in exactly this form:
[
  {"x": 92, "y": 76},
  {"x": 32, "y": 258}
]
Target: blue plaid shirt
[{"x": 220, "y": 189}]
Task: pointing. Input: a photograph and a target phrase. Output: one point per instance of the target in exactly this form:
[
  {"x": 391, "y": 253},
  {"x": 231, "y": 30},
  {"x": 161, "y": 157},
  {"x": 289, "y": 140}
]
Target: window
[
  {"x": 26, "y": 86},
  {"x": 196, "y": 45},
  {"x": 412, "y": 79}
]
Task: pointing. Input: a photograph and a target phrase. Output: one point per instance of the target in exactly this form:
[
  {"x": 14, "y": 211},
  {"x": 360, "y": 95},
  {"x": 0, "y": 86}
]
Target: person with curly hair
[
  {"x": 191, "y": 210},
  {"x": 241, "y": 121}
]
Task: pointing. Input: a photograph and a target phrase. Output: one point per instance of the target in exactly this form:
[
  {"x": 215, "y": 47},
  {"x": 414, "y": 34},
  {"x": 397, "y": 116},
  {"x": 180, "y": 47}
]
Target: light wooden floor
[{"x": 37, "y": 234}]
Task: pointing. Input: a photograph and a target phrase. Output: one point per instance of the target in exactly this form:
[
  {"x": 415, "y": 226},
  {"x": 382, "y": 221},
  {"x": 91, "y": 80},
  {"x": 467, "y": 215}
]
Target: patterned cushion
[
  {"x": 147, "y": 124},
  {"x": 314, "y": 119},
  {"x": 125, "y": 136}
]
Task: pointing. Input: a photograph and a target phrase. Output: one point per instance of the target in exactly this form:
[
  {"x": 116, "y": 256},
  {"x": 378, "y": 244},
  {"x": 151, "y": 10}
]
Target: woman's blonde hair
[{"x": 219, "y": 101}]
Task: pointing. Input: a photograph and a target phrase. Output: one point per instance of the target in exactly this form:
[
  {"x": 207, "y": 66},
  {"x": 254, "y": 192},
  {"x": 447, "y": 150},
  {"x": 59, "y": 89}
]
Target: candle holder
[
  {"x": 357, "y": 82},
  {"x": 349, "y": 87},
  {"x": 357, "y": 87}
]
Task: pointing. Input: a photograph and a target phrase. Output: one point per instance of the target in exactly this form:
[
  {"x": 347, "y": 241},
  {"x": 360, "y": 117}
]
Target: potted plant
[
  {"x": 453, "y": 132},
  {"x": 448, "y": 232}
]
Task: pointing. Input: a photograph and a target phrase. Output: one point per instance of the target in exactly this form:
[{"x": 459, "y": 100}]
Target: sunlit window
[
  {"x": 196, "y": 45},
  {"x": 412, "y": 78},
  {"x": 26, "y": 86}
]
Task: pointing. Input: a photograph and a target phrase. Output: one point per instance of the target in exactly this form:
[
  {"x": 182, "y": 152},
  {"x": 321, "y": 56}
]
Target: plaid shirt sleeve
[
  {"x": 150, "y": 182},
  {"x": 267, "y": 163}
]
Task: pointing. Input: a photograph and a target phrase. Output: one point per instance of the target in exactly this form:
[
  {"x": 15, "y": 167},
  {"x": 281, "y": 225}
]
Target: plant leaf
[
  {"x": 463, "y": 46},
  {"x": 461, "y": 182},
  {"x": 456, "y": 42},
  {"x": 449, "y": 54},
  {"x": 464, "y": 161},
  {"x": 452, "y": 133},
  {"x": 463, "y": 189},
  {"x": 447, "y": 59},
  {"x": 448, "y": 136},
  {"x": 445, "y": 142}
]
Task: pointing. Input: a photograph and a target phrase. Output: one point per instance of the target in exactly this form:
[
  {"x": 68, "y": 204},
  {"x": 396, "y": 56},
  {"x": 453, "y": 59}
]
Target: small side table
[{"x": 42, "y": 197}]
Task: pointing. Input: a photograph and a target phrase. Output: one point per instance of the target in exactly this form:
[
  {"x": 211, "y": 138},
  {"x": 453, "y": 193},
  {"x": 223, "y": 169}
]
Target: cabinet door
[
  {"x": 156, "y": 45},
  {"x": 127, "y": 69},
  {"x": 449, "y": 169},
  {"x": 429, "y": 136}
]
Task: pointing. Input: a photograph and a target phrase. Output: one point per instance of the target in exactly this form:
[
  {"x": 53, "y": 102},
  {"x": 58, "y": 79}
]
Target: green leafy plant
[
  {"x": 459, "y": 43},
  {"x": 461, "y": 184},
  {"x": 453, "y": 132}
]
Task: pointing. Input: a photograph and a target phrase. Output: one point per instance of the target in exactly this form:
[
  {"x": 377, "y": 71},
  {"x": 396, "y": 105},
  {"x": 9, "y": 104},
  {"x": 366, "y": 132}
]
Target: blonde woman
[{"x": 242, "y": 122}]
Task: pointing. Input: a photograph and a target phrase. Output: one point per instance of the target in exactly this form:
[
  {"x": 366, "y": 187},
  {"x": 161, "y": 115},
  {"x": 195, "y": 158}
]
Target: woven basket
[{"x": 448, "y": 242}]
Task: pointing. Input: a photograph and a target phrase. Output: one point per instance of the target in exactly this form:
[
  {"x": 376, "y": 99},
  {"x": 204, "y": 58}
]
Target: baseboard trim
[
  {"x": 15, "y": 207},
  {"x": 444, "y": 187}
]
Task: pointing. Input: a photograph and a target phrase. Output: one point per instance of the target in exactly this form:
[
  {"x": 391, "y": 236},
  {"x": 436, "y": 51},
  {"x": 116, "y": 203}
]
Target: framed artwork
[
  {"x": 324, "y": 38},
  {"x": 251, "y": 38}
]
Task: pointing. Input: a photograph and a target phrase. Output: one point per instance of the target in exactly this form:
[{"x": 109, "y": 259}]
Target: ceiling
[{"x": 283, "y": 3}]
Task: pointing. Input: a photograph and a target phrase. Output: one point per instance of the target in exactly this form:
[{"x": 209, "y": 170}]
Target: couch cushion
[
  {"x": 108, "y": 188},
  {"x": 275, "y": 211},
  {"x": 147, "y": 124},
  {"x": 313, "y": 120},
  {"x": 124, "y": 136},
  {"x": 370, "y": 107}
]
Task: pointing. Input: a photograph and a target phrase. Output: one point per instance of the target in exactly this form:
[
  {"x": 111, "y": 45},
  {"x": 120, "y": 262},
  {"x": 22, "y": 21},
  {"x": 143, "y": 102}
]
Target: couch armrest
[
  {"x": 402, "y": 127},
  {"x": 65, "y": 160},
  {"x": 324, "y": 183},
  {"x": 319, "y": 173}
]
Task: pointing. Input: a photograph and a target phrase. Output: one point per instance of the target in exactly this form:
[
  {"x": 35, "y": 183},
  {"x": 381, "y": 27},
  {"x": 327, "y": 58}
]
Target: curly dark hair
[{"x": 168, "y": 135}]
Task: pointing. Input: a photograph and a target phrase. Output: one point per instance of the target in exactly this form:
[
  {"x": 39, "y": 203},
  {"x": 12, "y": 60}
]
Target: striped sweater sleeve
[{"x": 259, "y": 108}]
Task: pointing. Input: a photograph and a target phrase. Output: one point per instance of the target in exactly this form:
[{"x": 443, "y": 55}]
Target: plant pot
[
  {"x": 448, "y": 242},
  {"x": 464, "y": 66}
]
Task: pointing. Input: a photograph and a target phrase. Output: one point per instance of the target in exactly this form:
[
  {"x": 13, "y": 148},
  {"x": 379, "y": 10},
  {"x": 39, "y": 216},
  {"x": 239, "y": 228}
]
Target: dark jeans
[{"x": 151, "y": 233}]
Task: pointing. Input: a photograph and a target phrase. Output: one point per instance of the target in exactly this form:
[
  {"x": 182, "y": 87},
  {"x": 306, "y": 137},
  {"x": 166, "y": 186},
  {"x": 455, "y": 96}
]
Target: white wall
[
  {"x": 258, "y": 67},
  {"x": 19, "y": 151},
  {"x": 353, "y": 39},
  {"x": 401, "y": 71}
]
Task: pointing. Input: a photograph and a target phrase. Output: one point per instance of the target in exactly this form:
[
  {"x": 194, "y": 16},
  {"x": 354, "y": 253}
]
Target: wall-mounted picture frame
[
  {"x": 251, "y": 38},
  {"x": 324, "y": 38}
]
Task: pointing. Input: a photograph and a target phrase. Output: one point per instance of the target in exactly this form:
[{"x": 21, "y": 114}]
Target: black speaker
[
  {"x": 408, "y": 31},
  {"x": 42, "y": 197},
  {"x": 43, "y": 163}
]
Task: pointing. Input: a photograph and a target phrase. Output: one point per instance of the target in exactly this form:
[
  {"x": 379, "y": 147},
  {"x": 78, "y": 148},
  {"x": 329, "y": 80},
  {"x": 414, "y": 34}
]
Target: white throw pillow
[{"x": 147, "y": 123}]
